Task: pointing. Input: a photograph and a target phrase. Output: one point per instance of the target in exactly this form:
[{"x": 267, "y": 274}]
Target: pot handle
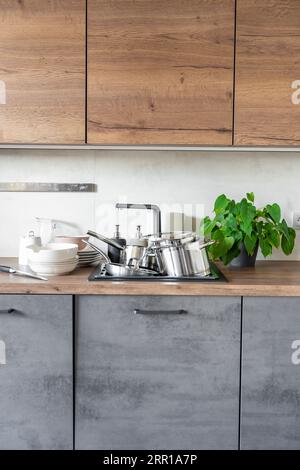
[
  {"x": 210, "y": 242},
  {"x": 104, "y": 239}
]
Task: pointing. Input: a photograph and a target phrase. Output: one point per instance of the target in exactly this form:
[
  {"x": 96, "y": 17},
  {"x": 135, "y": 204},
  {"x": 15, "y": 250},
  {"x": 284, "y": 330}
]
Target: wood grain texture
[
  {"x": 268, "y": 278},
  {"x": 160, "y": 71},
  {"x": 267, "y": 62},
  {"x": 42, "y": 50}
]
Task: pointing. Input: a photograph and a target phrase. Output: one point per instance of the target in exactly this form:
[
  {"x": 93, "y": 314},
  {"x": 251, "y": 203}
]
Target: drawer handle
[
  {"x": 138, "y": 311},
  {"x": 8, "y": 310}
]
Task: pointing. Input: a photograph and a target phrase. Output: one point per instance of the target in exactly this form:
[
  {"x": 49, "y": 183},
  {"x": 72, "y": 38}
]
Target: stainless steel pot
[
  {"x": 197, "y": 257},
  {"x": 134, "y": 252},
  {"x": 175, "y": 261},
  {"x": 181, "y": 257}
]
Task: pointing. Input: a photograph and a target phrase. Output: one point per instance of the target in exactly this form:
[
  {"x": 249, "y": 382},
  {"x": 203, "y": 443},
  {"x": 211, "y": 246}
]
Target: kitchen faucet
[{"x": 152, "y": 207}]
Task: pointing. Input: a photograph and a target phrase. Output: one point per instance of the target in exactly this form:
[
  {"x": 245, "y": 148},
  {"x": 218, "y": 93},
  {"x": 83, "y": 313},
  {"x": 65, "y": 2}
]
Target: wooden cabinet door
[
  {"x": 157, "y": 372},
  {"x": 36, "y": 391},
  {"x": 270, "y": 406},
  {"x": 267, "y": 104},
  {"x": 42, "y": 71},
  {"x": 160, "y": 71}
]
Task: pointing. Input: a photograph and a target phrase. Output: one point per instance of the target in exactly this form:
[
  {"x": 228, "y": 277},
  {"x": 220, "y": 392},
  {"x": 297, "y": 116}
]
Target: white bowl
[
  {"x": 52, "y": 270},
  {"x": 52, "y": 252}
]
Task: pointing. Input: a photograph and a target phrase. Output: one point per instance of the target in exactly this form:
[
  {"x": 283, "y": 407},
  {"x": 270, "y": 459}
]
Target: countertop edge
[
  {"x": 266, "y": 279},
  {"x": 153, "y": 289}
]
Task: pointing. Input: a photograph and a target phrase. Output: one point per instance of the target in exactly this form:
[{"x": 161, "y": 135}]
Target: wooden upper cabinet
[
  {"x": 42, "y": 71},
  {"x": 160, "y": 71},
  {"x": 267, "y": 69}
]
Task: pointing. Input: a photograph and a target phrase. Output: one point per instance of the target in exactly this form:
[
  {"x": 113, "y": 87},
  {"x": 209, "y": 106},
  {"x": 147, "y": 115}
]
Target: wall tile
[{"x": 180, "y": 182}]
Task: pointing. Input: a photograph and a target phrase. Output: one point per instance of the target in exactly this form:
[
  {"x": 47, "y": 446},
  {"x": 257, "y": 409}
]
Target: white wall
[{"x": 178, "y": 181}]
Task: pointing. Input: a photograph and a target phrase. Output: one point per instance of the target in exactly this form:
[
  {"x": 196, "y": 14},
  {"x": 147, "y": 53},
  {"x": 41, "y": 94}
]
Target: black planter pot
[{"x": 244, "y": 260}]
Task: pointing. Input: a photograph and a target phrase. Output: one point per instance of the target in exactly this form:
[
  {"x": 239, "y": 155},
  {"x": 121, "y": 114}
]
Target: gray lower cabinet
[
  {"x": 36, "y": 372},
  {"x": 270, "y": 411},
  {"x": 157, "y": 372}
]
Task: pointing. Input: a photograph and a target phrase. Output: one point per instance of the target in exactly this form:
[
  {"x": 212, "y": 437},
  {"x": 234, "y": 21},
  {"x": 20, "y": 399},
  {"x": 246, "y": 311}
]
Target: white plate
[
  {"x": 90, "y": 263},
  {"x": 86, "y": 252},
  {"x": 88, "y": 255},
  {"x": 56, "y": 263}
]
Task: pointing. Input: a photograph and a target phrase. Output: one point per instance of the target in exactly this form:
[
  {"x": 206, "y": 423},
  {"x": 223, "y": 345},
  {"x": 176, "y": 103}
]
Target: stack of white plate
[
  {"x": 53, "y": 259},
  {"x": 88, "y": 257}
]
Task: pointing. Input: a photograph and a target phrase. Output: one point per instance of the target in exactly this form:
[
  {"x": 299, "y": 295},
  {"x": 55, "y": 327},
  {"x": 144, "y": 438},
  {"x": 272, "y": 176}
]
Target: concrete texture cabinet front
[
  {"x": 36, "y": 372},
  {"x": 157, "y": 372},
  {"x": 270, "y": 417}
]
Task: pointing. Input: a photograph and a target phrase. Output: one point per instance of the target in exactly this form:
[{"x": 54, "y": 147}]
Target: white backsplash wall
[{"x": 180, "y": 182}]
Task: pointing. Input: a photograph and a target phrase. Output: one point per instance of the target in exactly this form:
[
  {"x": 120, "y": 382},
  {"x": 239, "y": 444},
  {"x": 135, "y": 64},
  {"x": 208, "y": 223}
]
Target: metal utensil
[
  {"x": 96, "y": 248},
  {"x": 104, "y": 239},
  {"x": 10, "y": 270},
  {"x": 184, "y": 237},
  {"x": 120, "y": 270}
]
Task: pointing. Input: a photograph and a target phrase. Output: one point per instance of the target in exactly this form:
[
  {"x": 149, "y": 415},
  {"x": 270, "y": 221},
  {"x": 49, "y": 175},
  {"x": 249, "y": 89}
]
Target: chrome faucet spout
[{"x": 152, "y": 207}]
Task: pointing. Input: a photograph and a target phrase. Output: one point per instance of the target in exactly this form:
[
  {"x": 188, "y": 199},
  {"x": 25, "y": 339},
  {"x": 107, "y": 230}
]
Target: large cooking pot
[{"x": 181, "y": 256}]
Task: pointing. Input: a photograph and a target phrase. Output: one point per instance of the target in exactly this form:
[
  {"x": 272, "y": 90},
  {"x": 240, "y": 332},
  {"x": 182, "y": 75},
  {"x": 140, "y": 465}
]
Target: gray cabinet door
[
  {"x": 270, "y": 416},
  {"x": 158, "y": 378},
  {"x": 36, "y": 372}
]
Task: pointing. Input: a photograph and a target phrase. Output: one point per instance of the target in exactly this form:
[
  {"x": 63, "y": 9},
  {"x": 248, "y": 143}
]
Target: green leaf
[
  {"x": 231, "y": 254},
  {"x": 250, "y": 197},
  {"x": 248, "y": 212},
  {"x": 287, "y": 244},
  {"x": 265, "y": 246},
  {"x": 283, "y": 227},
  {"x": 231, "y": 222},
  {"x": 221, "y": 203},
  {"x": 274, "y": 237},
  {"x": 208, "y": 226},
  {"x": 247, "y": 229},
  {"x": 275, "y": 212},
  {"x": 222, "y": 246},
  {"x": 250, "y": 243}
]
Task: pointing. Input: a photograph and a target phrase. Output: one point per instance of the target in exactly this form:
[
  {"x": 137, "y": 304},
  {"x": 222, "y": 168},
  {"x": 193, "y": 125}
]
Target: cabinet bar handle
[
  {"x": 8, "y": 310},
  {"x": 138, "y": 311}
]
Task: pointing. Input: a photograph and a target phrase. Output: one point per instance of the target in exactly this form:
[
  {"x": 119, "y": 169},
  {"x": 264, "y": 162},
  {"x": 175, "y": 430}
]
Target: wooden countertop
[{"x": 268, "y": 278}]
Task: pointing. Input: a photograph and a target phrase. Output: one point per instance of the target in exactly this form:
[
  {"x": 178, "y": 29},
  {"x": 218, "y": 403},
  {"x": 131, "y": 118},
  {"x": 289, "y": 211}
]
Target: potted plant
[{"x": 239, "y": 228}]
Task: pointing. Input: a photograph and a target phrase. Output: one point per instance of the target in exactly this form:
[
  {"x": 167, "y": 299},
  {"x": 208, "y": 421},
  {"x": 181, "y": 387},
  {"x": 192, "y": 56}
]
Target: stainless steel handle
[
  {"x": 8, "y": 310},
  {"x": 96, "y": 248},
  {"x": 138, "y": 311},
  {"x": 104, "y": 239}
]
